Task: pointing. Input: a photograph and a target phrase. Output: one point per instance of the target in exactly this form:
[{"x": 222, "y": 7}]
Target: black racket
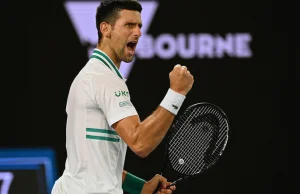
[{"x": 196, "y": 140}]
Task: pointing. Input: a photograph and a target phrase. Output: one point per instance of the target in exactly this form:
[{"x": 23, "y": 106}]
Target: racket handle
[
  {"x": 171, "y": 185},
  {"x": 159, "y": 186}
]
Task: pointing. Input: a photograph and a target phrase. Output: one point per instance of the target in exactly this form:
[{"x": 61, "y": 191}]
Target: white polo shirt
[{"x": 98, "y": 98}]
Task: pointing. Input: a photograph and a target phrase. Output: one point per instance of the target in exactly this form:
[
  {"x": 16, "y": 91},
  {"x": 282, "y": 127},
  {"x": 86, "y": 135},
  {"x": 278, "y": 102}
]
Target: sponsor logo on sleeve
[{"x": 125, "y": 103}]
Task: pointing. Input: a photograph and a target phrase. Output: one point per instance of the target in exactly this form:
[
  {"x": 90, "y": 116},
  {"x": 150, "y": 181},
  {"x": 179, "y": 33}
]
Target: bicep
[{"x": 127, "y": 130}]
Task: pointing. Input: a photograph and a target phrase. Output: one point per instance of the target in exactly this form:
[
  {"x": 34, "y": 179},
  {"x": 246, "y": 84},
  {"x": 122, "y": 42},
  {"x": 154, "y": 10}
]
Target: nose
[{"x": 137, "y": 32}]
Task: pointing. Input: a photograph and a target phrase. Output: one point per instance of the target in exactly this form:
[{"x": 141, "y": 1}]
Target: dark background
[
  {"x": 27, "y": 180},
  {"x": 258, "y": 94}
]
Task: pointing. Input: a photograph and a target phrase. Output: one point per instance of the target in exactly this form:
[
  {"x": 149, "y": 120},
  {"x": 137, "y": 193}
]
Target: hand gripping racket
[{"x": 196, "y": 140}]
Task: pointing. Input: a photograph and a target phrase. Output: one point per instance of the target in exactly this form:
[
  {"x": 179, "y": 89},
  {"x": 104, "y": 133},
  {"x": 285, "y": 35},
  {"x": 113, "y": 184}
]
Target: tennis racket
[{"x": 195, "y": 141}]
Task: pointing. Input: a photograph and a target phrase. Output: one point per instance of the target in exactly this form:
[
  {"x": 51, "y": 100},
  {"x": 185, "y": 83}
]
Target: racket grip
[
  {"x": 170, "y": 185},
  {"x": 159, "y": 186}
]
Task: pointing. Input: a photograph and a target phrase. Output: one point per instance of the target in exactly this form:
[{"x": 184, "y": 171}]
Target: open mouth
[{"x": 131, "y": 45}]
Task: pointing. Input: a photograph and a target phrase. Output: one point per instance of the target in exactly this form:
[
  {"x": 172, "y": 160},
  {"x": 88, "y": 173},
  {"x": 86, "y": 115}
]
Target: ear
[{"x": 105, "y": 29}]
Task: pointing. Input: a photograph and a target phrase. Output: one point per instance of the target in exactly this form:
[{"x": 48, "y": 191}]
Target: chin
[{"x": 128, "y": 60}]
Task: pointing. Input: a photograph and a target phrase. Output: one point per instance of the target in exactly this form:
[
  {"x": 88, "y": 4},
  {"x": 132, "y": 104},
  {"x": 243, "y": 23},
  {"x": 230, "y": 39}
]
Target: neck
[{"x": 110, "y": 54}]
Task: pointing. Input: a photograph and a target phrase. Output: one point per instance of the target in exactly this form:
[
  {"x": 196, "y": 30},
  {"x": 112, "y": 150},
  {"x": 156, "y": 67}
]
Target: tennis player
[{"x": 102, "y": 121}]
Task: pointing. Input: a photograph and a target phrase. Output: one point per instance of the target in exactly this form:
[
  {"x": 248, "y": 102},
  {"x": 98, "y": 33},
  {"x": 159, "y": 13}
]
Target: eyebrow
[{"x": 136, "y": 23}]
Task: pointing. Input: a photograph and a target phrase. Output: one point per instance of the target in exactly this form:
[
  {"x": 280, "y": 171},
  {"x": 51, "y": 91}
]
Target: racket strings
[
  {"x": 196, "y": 150},
  {"x": 221, "y": 138},
  {"x": 182, "y": 124},
  {"x": 183, "y": 154},
  {"x": 194, "y": 147},
  {"x": 192, "y": 162}
]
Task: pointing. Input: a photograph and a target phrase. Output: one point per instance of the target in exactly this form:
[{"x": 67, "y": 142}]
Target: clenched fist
[{"x": 181, "y": 80}]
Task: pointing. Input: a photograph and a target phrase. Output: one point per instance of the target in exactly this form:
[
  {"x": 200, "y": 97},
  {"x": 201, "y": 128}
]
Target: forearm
[{"x": 152, "y": 130}]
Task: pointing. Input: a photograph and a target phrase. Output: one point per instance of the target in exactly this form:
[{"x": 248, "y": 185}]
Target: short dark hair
[{"x": 108, "y": 11}]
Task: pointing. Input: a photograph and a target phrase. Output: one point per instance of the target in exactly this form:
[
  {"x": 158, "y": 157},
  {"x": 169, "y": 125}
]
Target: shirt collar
[{"x": 100, "y": 55}]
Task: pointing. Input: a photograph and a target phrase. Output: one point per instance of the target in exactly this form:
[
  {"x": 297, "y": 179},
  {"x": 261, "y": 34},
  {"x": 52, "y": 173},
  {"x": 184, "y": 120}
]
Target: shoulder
[
  {"x": 107, "y": 82},
  {"x": 100, "y": 73}
]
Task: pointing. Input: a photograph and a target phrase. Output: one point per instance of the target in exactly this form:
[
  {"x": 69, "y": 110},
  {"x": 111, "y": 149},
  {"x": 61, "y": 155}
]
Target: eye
[{"x": 130, "y": 25}]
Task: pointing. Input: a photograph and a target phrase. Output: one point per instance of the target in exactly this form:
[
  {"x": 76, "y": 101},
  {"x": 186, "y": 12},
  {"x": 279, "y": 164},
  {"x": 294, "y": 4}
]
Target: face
[{"x": 125, "y": 34}]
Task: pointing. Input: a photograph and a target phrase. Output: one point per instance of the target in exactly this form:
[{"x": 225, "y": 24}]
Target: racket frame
[{"x": 167, "y": 162}]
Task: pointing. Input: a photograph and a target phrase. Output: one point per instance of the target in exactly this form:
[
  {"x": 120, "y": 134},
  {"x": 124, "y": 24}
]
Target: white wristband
[{"x": 172, "y": 101}]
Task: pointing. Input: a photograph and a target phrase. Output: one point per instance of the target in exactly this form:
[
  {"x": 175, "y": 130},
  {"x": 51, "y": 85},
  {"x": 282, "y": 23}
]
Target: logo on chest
[{"x": 122, "y": 93}]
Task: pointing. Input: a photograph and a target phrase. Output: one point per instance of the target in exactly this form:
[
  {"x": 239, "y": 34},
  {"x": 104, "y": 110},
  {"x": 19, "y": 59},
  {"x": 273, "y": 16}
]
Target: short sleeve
[{"x": 114, "y": 100}]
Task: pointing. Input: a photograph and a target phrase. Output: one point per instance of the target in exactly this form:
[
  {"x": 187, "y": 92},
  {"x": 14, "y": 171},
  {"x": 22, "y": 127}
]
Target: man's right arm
[{"x": 143, "y": 137}]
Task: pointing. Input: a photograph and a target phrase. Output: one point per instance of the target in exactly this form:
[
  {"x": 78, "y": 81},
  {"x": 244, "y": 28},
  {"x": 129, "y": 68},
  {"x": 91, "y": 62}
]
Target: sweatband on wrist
[
  {"x": 172, "y": 101},
  {"x": 133, "y": 184}
]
